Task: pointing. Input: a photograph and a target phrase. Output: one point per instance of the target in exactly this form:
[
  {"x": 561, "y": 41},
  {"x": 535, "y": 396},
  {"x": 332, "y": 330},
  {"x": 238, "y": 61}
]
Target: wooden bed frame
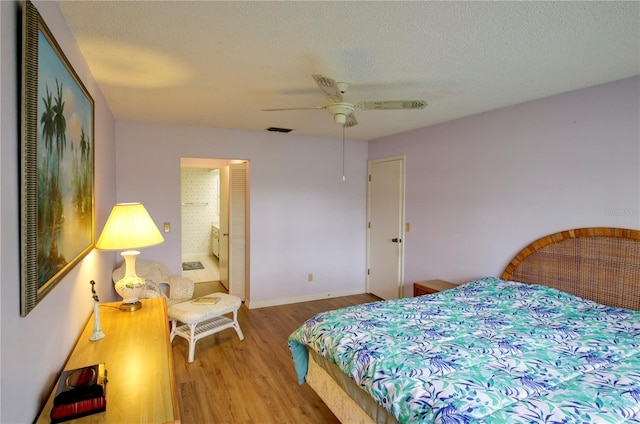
[{"x": 601, "y": 264}]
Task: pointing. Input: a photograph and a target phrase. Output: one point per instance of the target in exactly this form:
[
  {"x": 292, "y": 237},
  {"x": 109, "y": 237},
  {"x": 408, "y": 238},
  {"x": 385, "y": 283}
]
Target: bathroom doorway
[{"x": 205, "y": 204}]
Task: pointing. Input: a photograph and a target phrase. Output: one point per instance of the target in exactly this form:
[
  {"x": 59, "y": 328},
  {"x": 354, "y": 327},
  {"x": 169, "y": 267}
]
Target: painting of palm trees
[{"x": 61, "y": 142}]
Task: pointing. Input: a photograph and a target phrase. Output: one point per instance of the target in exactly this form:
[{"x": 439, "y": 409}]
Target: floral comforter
[{"x": 489, "y": 351}]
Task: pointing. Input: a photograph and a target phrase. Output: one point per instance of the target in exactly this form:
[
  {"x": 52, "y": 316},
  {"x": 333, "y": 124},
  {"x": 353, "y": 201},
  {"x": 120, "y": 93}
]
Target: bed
[{"x": 555, "y": 338}]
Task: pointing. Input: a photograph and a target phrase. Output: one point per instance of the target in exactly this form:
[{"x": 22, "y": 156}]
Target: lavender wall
[
  {"x": 303, "y": 217},
  {"x": 479, "y": 189},
  {"x": 34, "y": 349}
]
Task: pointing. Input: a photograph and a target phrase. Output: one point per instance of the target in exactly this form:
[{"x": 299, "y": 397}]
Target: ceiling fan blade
[
  {"x": 329, "y": 87},
  {"x": 351, "y": 121},
  {"x": 293, "y": 108},
  {"x": 392, "y": 104}
]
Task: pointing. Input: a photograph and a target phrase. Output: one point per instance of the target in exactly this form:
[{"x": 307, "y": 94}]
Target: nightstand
[{"x": 431, "y": 286}]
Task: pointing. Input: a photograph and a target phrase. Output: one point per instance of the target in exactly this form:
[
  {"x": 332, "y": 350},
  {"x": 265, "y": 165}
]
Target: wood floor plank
[{"x": 252, "y": 381}]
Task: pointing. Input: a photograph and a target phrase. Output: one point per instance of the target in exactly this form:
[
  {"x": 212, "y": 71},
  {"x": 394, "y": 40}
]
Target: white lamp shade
[{"x": 129, "y": 227}]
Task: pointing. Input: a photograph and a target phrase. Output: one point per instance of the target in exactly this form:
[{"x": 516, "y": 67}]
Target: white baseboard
[{"x": 255, "y": 304}]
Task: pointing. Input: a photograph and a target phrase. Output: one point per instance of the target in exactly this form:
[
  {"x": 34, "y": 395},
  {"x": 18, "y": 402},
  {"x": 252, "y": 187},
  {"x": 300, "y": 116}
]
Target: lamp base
[
  {"x": 130, "y": 286},
  {"x": 130, "y": 307},
  {"x": 97, "y": 335}
]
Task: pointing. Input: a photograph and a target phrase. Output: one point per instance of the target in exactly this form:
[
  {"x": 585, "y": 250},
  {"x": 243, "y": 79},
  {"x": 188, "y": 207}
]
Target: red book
[{"x": 69, "y": 411}]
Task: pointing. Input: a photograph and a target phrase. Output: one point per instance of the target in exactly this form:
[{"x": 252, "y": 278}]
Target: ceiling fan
[{"x": 343, "y": 112}]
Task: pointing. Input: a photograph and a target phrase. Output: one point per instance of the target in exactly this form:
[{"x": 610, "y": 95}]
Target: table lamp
[{"x": 129, "y": 227}]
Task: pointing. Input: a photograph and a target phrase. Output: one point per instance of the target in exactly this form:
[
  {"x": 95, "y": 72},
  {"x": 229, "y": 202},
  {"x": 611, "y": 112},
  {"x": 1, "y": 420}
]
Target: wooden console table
[{"x": 139, "y": 363}]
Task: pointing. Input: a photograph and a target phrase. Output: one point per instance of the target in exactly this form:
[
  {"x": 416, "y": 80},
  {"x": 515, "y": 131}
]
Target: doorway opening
[{"x": 214, "y": 222}]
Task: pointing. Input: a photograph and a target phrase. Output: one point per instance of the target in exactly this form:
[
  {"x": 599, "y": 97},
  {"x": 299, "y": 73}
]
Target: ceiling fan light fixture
[{"x": 340, "y": 112}]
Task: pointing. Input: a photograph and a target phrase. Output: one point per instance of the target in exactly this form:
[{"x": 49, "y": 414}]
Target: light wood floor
[
  {"x": 252, "y": 381},
  {"x": 210, "y": 272}
]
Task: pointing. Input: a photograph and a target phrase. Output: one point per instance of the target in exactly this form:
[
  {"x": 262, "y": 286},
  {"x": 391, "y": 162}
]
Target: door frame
[
  {"x": 219, "y": 163},
  {"x": 402, "y": 226}
]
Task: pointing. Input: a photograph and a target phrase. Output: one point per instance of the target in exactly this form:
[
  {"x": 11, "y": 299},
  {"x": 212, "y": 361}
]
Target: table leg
[
  {"x": 192, "y": 342},
  {"x": 172, "y": 335},
  {"x": 236, "y": 325}
]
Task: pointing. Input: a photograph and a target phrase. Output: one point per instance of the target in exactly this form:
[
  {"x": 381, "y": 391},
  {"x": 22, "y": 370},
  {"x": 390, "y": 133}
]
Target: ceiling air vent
[{"x": 282, "y": 130}]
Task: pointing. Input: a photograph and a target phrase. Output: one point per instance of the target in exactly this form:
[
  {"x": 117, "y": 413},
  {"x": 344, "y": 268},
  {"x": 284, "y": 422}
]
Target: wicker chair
[{"x": 159, "y": 283}]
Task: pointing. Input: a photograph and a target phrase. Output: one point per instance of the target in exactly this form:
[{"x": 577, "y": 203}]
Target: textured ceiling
[{"x": 218, "y": 64}]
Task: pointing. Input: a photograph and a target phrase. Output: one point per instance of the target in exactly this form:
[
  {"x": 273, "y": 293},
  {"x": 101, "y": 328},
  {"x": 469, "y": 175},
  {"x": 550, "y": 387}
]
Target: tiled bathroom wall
[{"x": 200, "y": 208}]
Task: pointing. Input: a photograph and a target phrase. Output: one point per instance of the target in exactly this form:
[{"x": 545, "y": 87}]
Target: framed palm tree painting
[{"x": 57, "y": 216}]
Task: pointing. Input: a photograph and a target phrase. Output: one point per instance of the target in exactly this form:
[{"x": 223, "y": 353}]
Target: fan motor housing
[{"x": 340, "y": 108}]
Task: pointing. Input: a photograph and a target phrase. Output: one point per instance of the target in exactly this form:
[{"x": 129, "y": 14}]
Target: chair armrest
[
  {"x": 118, "y": 273},
  {"x": 179, "y": 287},
  {"x": 151, "y": 290}
]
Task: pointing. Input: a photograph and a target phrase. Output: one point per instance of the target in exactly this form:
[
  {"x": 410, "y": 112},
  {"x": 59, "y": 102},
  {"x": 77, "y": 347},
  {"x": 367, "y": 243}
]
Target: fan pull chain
[{"x": 343, "y": 177}]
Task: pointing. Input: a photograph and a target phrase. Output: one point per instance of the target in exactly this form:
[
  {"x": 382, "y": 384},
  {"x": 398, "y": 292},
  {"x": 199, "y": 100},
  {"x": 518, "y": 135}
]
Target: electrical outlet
[
  {"x": 167, "y": 227},
  {"x": 310, "y": 277}
]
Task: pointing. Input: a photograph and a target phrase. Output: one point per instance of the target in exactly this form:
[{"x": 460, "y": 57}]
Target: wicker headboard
[{"x": 600, "y": 264}]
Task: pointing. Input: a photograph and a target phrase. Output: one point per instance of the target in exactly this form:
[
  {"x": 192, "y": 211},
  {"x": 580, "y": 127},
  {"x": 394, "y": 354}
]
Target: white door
[
  {"x": 237, "y": 229},
  {"x": 233, "y": 228},
  {"x": 385, "y": 222},
  {"x": 223, "y": 234}
]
